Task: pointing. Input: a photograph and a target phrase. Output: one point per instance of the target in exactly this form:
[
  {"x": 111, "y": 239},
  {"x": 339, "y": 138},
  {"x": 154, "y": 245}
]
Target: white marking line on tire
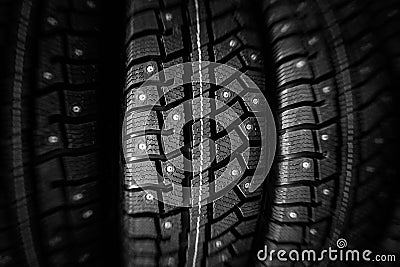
[{"x": 196, "y": 3}]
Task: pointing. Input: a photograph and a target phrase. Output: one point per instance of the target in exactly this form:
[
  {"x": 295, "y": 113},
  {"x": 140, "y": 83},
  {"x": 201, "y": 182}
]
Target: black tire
[
  {"x": 52, "y": 198},
  {"x": 332, "y": 84},
  {"x": 162, "y": 35},
  {"x": 337, "y": 112}
]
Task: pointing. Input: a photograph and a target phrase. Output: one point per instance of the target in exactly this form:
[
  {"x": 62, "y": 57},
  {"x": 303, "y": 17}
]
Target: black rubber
[
  {"x": 162, "y": 34},
  {"x": 331, "y": 76},
  {"x": 337, "y": 80},
  {"x": 52, "y": 199}
]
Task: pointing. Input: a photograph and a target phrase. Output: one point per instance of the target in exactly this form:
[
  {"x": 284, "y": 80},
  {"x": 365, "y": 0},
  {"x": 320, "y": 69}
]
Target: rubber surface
[
  {"x": 160, "y": 35},
  {"x": 333, "y": 91},
  {"x": 51, "y": 206},
  {"x": 336, "y": 87}
]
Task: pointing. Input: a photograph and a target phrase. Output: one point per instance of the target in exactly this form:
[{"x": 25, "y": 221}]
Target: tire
[
  {"x": 52, "y": 205},
  {"x": 159, "y": 36},
  {"x": 331, "y": 85},
  {"x": 336, "y": 73}
]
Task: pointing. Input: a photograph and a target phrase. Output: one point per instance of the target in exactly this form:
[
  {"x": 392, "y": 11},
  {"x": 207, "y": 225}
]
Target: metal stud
[
  {"x": 253, "y": 57},
  {"x": 54, "y": 241},
  {"x": 170, "y": 261},
  {"x": 167, "y": 225},
  {"x": 142, "y": 97},
  {"x": 218, "y": 243},
  {"x": 247, "y": 185},
  {"x": 76, "y": 109},
  {"x": 150, "y": 68},
  {"x": 5, "y": 259},
  {"x": 84, "y": 258},
  {"x": 87, "y": 214},
  {"x": 313, "y": 231},
  {"x": 91, "y": 4},
  {"x": 232, "y": 43},
  {"x": 149, "y": 197},
  {"x": 300, "y": 64},
  {"x": 249, "y": 126},
  {"x": 78, "y": 52},
  {"x": 52, "y": 139},
  {"x": 176, "y": 117},
  {"x": 285, "y": 28},
  {"x": 77, "y": 197},
  {"x": 292, "y": 215},
  {"x": 324, "y": 137},
  {"x": 234, "y": 172},
  {"x": 256, "y": 101},
  {"x": 168, "y": 16},
  {"x": 52, "y": 21},
  {"x": 170, "y": 168},
  {"x": 313, "y": 40},
  {"x": 47, "y": 75},
  {"x": 370, "y": 169},
  {"x": 326, "y": 191},
  {"x": 365, "y": 70},
  {"x": 226, "y": 94},
  {"x": 142, "y": 146},
  {"x": 306, "y": 165},
  {"x": 326, "y": 89}
]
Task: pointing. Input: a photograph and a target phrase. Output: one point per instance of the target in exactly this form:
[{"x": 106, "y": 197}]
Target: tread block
[
  {"x": 81, "y": 135},
  {"x": 170, "y": 236},
  {"x": 292, "y": 171},
  {"x": 143, "y": 227},
  {"x": 295, "y": 95},
  {"x": 135, "y": 202},
  {"x": 224, "y": 48},
  {"x": 285, "y": 233},
  {"x": 142, "y": 47},
  {"x": 140, "y": 174},
  {"x": 145, "y": 21},
  {"x": 251, "y": 208},
  {"x": 297, "y": 116},
  {"x": 174, "y": 42},
  {"x": 288, "y": 47},
  {"x": 138, "y": 73},
  {"x": 138, "y": 6},
  {"x": 246, "y": 227},
  {"x": 295, "y": 194},
  {"x": 231, "y": 26},
  {"x": 325, "y": 197},
  {"x": 294, "y": 70},
  {"x": 297, "y": 142},
  {"x": 79, "y": 167},
  {"x": 81, "y": 74},
  {"x": 225, "y": 203},
  {"x": 219, "y": 227}
]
